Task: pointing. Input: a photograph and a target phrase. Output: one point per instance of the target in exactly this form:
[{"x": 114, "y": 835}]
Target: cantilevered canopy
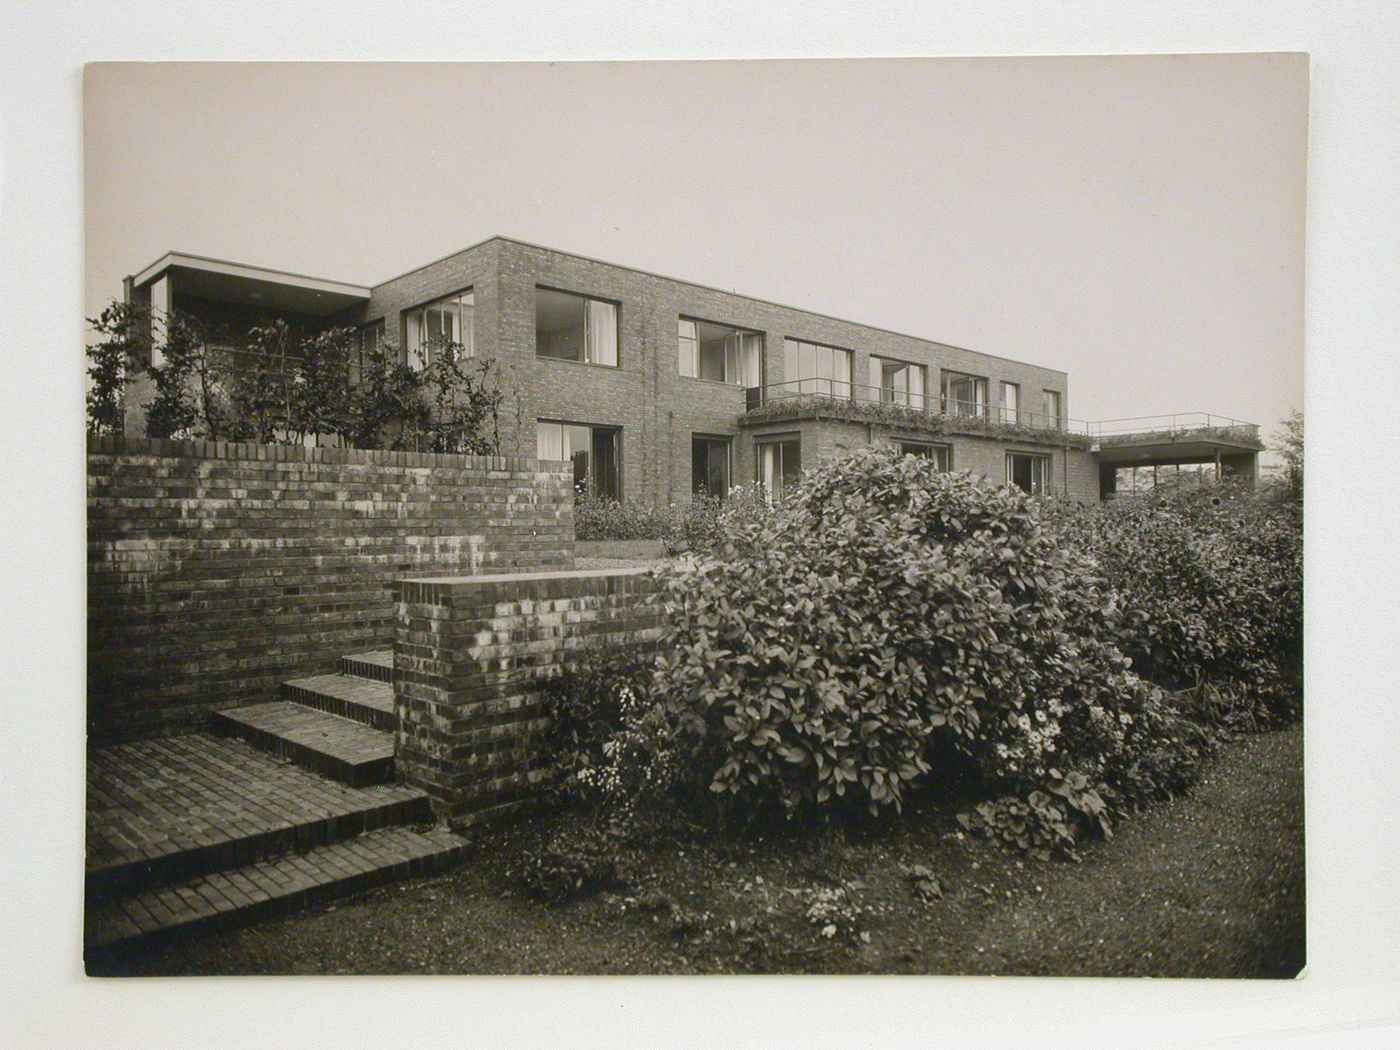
[{"x": 237, "y": 283}]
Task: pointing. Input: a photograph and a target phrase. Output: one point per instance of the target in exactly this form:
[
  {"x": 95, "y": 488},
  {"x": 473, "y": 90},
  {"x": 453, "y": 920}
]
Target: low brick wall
[
  {"x": 216, "y": 570},
  {"x": 470, "y": 654}
]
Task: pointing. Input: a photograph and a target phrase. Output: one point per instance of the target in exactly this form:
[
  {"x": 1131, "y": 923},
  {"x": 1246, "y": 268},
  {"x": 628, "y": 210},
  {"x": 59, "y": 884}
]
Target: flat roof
[
  {"x": 205, "y": 264},
  {"x": 723, "y": 291}
]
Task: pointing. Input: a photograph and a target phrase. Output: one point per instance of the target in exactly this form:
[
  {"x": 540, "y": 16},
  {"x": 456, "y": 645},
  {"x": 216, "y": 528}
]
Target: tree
[
  {"x": 1289, "y": 446},
  {"x": 111, "y": 362}
]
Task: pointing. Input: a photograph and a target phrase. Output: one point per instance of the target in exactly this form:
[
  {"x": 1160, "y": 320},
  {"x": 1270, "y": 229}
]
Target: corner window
[
  {"x": 594, "y": 452},
  {"x": 811, "y": 368},
  {"x": 711, "y": 463},
  {"x": 571, "y": 327},
  {"x": 432, "y": 326},
  {"x": 1052, "y": 410},
  {"x": 898, "y": 382},
  {"x": 1028, "y": 472},
  {"x": 1010, "y": 403},
  {"x": 365, "y": 343},
  {"x": 964, "y": 395},
  {"x": 779, "y": 463},
  {"x": 942, "y": 455},
  {"x": 720, "y": 353}
]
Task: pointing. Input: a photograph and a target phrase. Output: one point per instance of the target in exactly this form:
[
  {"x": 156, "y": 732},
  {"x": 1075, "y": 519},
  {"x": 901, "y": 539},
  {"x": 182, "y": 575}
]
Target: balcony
[
  {"x": 930, "y": 413},
  {"x": 1191, "y": 437}
]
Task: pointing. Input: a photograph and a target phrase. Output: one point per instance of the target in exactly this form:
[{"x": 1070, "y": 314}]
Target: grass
[{"x": 1209, "y": 884}]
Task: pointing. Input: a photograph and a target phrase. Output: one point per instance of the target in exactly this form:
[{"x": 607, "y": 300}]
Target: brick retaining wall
[
  {"x": 216, "y": 570},
  {"x": 469, "y": 657}
]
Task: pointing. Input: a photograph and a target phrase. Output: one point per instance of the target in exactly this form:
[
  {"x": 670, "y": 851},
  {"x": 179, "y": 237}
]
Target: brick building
[{"x": 657, "y": 388}]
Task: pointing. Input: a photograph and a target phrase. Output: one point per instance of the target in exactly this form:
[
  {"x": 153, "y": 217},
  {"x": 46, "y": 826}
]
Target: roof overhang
[
  {"x": 1167, "y": 450},
  {"x": 255, "y": 286}
]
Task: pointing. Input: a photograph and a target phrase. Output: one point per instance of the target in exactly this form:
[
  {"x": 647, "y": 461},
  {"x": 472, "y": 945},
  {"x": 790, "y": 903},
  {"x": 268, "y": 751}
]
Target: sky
[{"x": 1137, "y": 222}]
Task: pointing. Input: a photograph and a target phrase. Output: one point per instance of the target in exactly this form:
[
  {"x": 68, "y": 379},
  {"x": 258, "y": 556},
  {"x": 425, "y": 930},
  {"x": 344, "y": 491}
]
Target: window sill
[
  {"x": 570, "y": 361},
  {"x": 714, "y": 382}
]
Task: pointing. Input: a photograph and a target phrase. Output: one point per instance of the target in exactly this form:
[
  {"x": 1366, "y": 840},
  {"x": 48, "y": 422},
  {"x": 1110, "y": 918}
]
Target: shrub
[
  {"x": 575, "y": 862},
  {"x": 604, "y": 518},
  {"x": 883, "y": 606}
]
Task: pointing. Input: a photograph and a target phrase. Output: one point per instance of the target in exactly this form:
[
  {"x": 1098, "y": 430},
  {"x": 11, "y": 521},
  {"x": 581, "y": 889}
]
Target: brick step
[
  {"x": 269, "y": 887},
  {"x": 356, "y": 698},
  {"x": 168, "y": 809},
  {"x": 377, "y": 665},
  {"x": 336, "y": 747}
]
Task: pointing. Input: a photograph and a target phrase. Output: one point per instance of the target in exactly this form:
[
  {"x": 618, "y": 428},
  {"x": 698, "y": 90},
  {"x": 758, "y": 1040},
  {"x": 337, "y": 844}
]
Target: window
[
  {"x": 720, "y": 353},
  {"x": 815, "y": 369},
  {"x": 1052, "y": 409},
  {"x": 898, "y": 382},
  {"x": 592, "y": 450},
  {"x": 1029, "y": 472},
  {"x": 942, "y": 455},
  {"x": 1010, "y": 403},
  {"x": 572, "y": 327},
  {"x": 430, "y": 327},
  {"x": 366, "y": 341},
  {"x": 779, "y": 465},
  {"x": 710, "y": 464},
  {"x": 964, "y": 395}
]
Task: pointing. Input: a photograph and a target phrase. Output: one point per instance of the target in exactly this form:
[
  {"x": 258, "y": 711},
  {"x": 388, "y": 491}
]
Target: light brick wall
[
  {"x": 216, "y": 570},
  {"x": 469, "y": 658}
]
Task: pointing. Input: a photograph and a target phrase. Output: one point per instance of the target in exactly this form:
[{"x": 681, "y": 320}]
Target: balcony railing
[
  {"x": 833, "y": 393},
  {"x": 1206, "y": 424}
]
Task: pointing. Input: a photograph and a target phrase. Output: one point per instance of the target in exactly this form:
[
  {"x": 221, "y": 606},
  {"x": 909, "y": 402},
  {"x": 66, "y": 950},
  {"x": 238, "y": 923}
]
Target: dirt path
[{"x": 1210, "y": 884}]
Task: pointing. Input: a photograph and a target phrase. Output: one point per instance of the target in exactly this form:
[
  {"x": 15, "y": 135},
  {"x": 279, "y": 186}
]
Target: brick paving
[
  {"x": 359, "y": 698},
  {"x": 337, "y": 747},
  {"x": 271, "y": 886},
  {"x": 163, "y": 806}
]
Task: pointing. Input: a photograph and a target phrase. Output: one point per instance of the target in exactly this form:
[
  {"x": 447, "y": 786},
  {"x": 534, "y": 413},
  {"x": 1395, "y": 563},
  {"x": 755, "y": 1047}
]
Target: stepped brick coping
[
  {"x": 506, "y": 583},
  {"x": 350, "y": 696},
  {"x": 272, "y": 886},
  {"x": 110, "y": 445},
  {"x": 151, "y": 800}
]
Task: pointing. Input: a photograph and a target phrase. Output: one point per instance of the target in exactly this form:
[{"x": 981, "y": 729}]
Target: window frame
[
  {"x": 792, "y": 369},
  {"x": 593, "y": 429},
  {"x": 917, "y": 401},
  {"x": 784, "y": 438},
  {"x": 943, "y": 451},
  {"x": 1055, "y": 420},
  {"x": 587, "y": 300},
  {"x": 407, "y": 353},
  {"x": 982, "y": 408},
  {"x": 728, "y": 441},
  {"x": 1013, "y": 415},
  {"x": 1043, "y": 458},
  {"x": 740, "y": 330}
]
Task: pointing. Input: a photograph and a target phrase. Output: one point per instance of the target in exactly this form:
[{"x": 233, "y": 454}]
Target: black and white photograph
[
  {"x": 648, "y": 615},
  {"x": 806, "y": 535}
]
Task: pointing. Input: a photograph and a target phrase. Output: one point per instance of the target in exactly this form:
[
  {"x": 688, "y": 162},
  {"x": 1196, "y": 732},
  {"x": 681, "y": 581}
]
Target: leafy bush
[
  {"x": 574, "y": 863},
  {"x": 885, "y": 605},
  {"x": 1210, "y": 581},
  {"x": 604, "y": 518},
  {"x": 699, "y": 526}
]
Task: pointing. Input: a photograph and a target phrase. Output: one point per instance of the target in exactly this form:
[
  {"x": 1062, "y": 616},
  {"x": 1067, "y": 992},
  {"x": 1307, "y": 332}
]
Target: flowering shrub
[
  {"x": 885, "y": 605},
  {"x": 834, "y": 911}
]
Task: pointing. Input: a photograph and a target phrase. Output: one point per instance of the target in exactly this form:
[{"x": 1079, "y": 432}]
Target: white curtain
[
  {"x": 601, "y": 332},
  {"x": 751, "y": 358},
  {"x": 551, "y": 442}
]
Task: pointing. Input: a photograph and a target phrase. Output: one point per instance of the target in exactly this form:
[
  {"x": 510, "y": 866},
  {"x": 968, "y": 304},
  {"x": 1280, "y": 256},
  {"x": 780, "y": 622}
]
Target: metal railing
[
  {"x": 1177, "y": 424},
  {"x": 797, "y": 391}
]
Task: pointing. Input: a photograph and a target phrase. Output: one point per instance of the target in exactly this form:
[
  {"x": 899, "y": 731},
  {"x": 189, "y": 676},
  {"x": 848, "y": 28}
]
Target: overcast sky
[{"x": 1135, "y": 221}]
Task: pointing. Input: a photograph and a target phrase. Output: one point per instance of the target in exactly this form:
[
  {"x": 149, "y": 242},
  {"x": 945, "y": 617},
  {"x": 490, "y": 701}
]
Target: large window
[
  {"x": 594, "y": 452},
  {"x": 899, "y": 382},
  {"x": 779, "y": 462},
  {"x": 720, "y": 353},
  {"x": 811, "y": 368},
  {"x": 711, "y": 463},
  {"x": 367, "y": 340},
  {"x": 1010, "y": 403},
  {"x": 429, "y": 327},
  {"x": 1052, "y": 409},
  {"x": 1028, "y": 471},
  {"x": 942, "y": 455},
  {"x": 572, "y": 327},
  {"x": 964, "y": 395}
]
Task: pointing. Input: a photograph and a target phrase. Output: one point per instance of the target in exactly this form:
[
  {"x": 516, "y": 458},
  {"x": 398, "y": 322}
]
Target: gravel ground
[{"x": 1209, "y": 884}]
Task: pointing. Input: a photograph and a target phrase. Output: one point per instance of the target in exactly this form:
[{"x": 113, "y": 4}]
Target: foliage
[
  {"x": 284, "y": 385},
  {"x": 885, "y": 606},
  {"x": 927, "y": 421},
  {"x": 1288, "y": 443},
  {"x": 603, "y": 518},
  {"x": 111, "y": 360},
  {"x": 576, "y": 862},
  {"x": 698, "y": 526},
  {"x": 834, "y": 910},
  {"x": 1210, "y": 583}
]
